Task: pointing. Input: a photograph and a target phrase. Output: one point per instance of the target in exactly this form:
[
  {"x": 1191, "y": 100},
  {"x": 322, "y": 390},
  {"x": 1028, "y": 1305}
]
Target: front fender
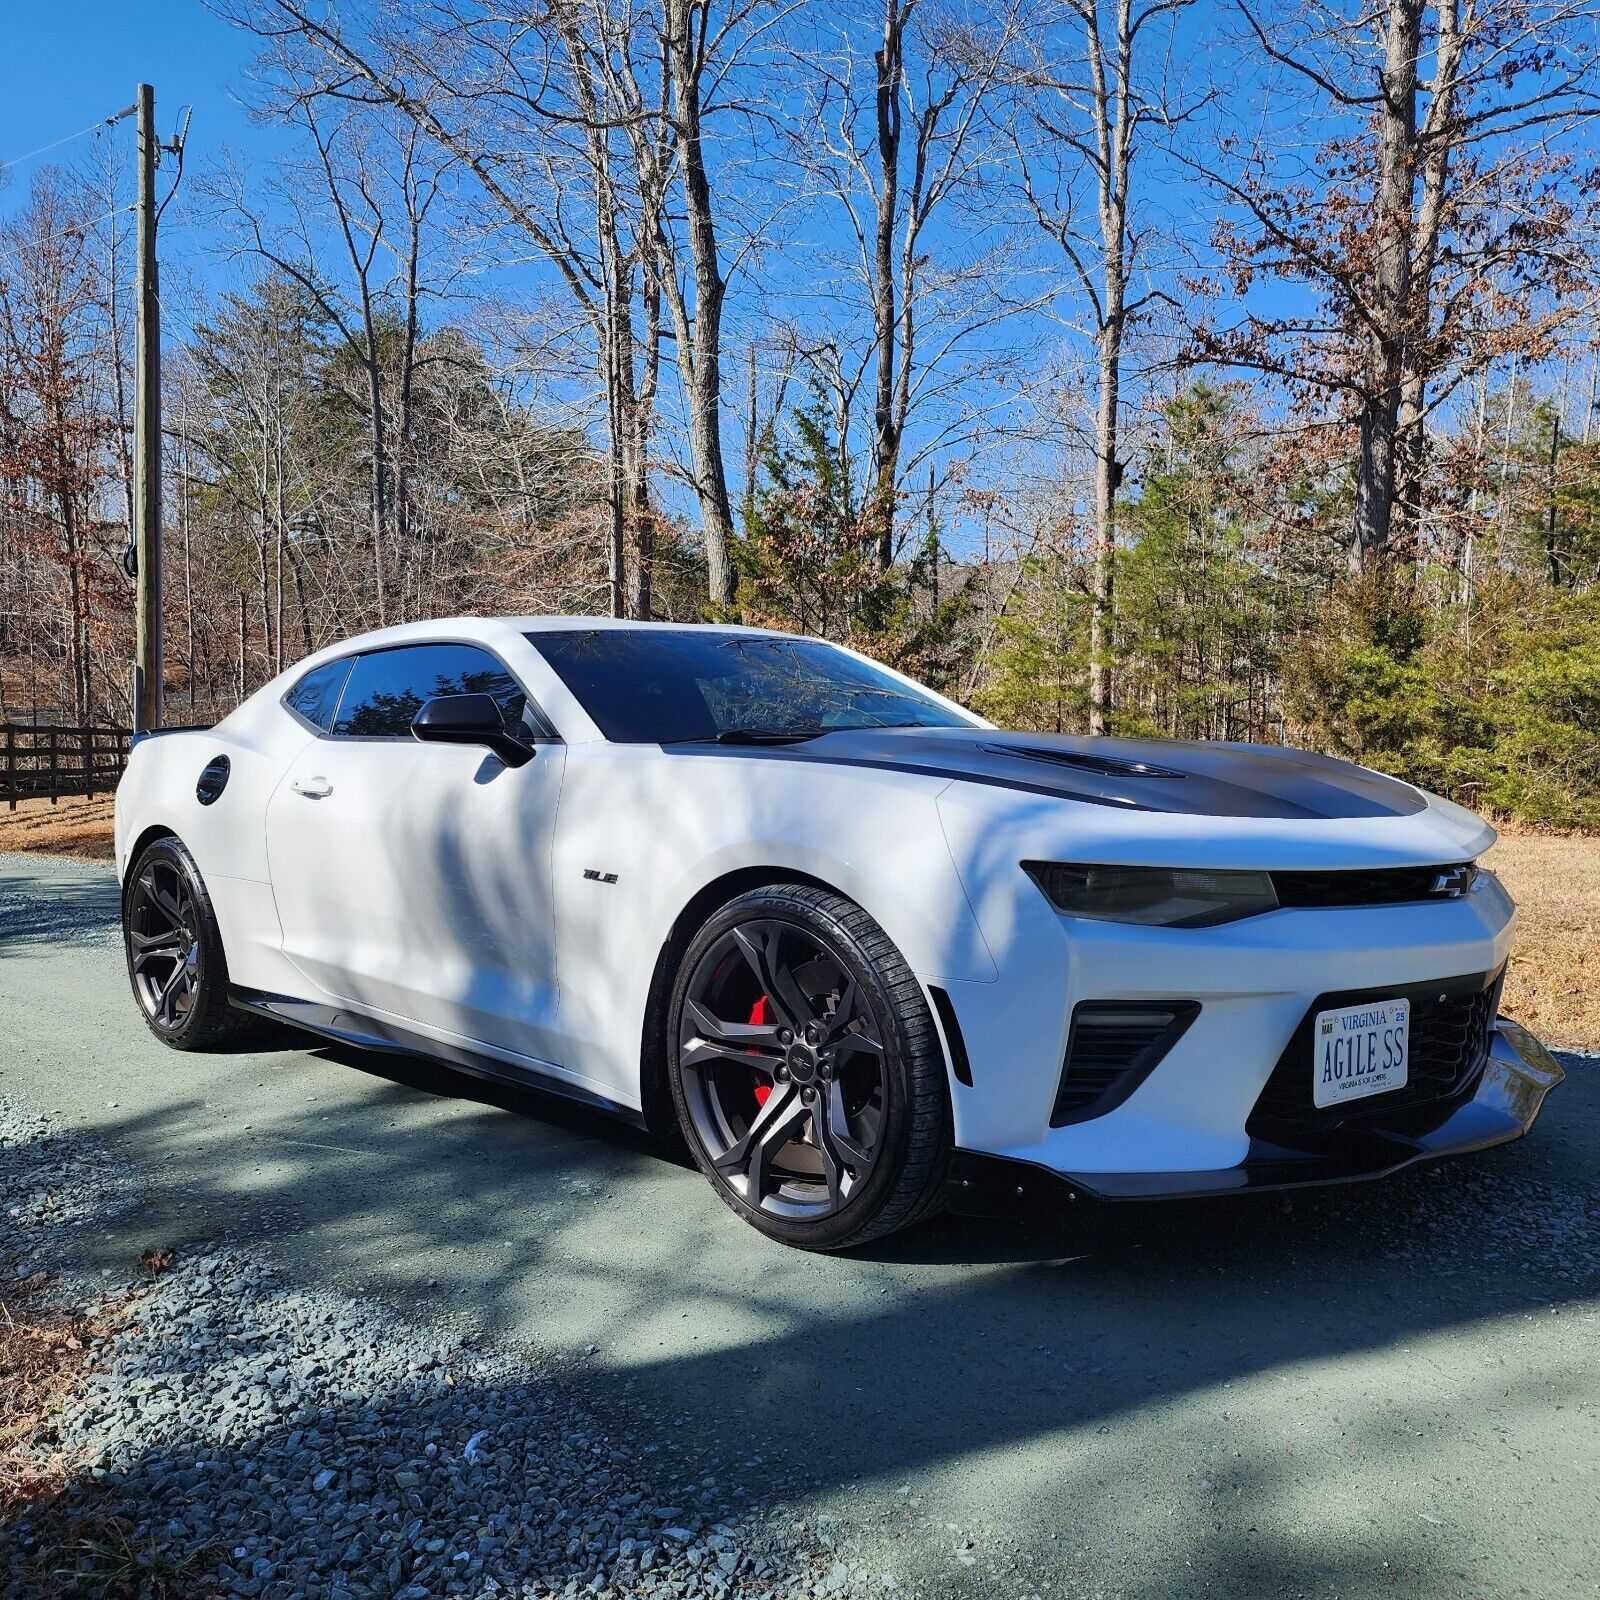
[{"x": 641, "y": 835}]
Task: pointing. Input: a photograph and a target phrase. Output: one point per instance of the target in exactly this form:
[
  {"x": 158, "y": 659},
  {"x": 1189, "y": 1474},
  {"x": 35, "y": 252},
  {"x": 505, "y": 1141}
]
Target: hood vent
[{"x": 1106, "y": 766}]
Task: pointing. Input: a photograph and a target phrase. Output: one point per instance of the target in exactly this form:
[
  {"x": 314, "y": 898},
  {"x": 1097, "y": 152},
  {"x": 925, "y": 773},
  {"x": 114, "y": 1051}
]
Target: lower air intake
[
  {"x": 1450, "y": 1023},
  {"x": 1113, "y": 1046}
]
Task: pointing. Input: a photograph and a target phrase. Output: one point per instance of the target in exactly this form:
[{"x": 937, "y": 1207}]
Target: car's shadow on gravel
[
  {"x": 1335, "y": 1218},
  {"x": 1053, "y": 1354},
  {"x": 422, "y": 1076}
]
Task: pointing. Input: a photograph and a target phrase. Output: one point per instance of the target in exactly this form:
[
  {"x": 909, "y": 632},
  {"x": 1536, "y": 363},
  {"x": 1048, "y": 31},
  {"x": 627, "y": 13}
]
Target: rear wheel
[
  {"x": 176, "y": 964},
  {"x": 806, "y": 1071}
]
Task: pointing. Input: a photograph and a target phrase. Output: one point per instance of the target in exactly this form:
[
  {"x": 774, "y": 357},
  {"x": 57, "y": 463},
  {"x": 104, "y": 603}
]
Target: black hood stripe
[
  {"x": 1184, "y": 778},
  {"x": 747, "y": 752}
]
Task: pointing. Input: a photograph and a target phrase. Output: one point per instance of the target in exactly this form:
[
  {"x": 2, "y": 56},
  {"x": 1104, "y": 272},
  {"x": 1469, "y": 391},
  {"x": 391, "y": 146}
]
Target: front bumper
[{"x": 1503, "y": 1105}]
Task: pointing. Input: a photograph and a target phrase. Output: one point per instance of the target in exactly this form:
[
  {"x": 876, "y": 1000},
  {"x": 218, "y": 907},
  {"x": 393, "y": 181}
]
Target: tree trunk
[
  {"x": 300, "y": 599},
  {"x": 405, "y": 422},
  {"x": 700, "y": 348},
  {"x": 889, "y": 60},
  {"x": 1390, "y": 315},
  {"x": 119, "y": 380},
  {"x": 76, "y": 631},
  {"x": 1552, "y": 553},
  {"x": 752, "y": 442},
  {"x": 1114, "y": 152},
  {"x": 188, "y": 565},
  {"x": 638, "y": 413},
  {"x": 380, "y": 463},
  {"x": 1103, "y": 594},
  {"x": 1434, "y": 145}
]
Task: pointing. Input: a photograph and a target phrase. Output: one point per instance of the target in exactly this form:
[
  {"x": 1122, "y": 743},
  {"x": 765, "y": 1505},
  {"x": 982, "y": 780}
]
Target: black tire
[
  {"x": 174, "y": 951},
  {"x": 862, "y": 1084}
]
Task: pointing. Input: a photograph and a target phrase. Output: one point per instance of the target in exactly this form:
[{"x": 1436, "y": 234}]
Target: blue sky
[
  {"x": 69, "y": 62},
  {"x": 83, "y": 59}
]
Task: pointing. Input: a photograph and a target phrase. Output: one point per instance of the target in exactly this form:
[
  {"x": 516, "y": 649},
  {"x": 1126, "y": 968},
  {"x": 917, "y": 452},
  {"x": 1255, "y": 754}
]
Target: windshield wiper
[
  {"x": 754, "y": 736},
  {"x": 770, "y": 735}
]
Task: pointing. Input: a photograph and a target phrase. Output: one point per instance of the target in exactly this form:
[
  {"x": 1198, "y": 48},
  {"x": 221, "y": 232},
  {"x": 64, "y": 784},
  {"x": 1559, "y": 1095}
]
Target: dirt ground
[
  {"x": 71, "y": 827},
  {"x": 1554, "y": 982},
  {"x": 1553, "y": 986}
]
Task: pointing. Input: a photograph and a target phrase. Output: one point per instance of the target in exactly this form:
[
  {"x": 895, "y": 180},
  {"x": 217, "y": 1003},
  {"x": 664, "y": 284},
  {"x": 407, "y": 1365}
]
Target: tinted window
[
  {"x": 389, "y": 687},
  {"x": 316, "y": 696},
  {"x": 641, "y": 686}
]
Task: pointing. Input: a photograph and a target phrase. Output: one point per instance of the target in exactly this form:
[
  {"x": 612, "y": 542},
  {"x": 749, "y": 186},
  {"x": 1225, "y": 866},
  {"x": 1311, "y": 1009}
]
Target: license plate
[{"x": 1360, "y": 1051}]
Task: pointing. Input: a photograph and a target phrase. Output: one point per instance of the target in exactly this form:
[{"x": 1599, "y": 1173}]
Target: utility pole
[
  {"x": 1551, "y": 553},
  {"x": 148, "y": 692}
]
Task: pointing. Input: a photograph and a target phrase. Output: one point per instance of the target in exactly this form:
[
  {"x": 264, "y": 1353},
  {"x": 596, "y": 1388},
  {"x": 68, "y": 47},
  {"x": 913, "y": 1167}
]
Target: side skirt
[{"x": 386, "y": 1038}]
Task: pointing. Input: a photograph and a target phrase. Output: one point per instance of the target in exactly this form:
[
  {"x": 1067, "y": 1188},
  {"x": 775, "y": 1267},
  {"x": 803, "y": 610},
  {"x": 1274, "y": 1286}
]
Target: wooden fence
[{"x": 46, "y": 763}]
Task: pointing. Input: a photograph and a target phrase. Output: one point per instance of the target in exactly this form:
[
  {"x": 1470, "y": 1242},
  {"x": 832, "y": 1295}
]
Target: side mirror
[{"x": 469, "y": 719}]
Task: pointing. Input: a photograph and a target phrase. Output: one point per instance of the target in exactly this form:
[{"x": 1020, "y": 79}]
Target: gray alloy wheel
[
  {"x": 176, "y": 964},
  {"x": 806, "y": 1071}
]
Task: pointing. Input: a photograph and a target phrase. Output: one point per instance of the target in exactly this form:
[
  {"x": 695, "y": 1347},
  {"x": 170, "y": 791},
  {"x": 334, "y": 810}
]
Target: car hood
[{"x": 1153, "y": 775}]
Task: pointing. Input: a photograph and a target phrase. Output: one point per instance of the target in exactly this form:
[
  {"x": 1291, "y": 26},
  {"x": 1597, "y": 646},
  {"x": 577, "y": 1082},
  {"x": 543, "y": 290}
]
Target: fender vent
[
  {"x": 959, "y": 1063},
  {"x": 1113, "y": 1046},
  {"x": 213, "y": 780}
]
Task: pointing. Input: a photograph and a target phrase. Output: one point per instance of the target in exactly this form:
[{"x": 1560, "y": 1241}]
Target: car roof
[
  {"x": 490, "y": 628},
  {"x": 548, "y": 624},
  {"x": 419, "y": 631}
]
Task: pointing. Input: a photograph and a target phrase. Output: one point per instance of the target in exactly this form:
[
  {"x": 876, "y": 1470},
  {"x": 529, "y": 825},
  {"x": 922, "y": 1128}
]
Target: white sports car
[{"x": 869, "y": 953}]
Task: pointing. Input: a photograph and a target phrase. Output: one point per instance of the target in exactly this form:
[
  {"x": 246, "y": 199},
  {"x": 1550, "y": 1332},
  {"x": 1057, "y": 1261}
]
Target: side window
[
  {"x": 316, "y": 696},
  {"x": 389, "y": 687}
]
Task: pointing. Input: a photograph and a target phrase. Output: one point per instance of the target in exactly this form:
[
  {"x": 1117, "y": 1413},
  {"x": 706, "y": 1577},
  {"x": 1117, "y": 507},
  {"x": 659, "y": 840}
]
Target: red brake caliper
[{"x": 759, "y": 1018}]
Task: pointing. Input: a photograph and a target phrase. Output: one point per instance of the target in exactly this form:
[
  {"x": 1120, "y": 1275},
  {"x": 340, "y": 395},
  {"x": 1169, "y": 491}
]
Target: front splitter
[{"x": 1504, "y": 1105}]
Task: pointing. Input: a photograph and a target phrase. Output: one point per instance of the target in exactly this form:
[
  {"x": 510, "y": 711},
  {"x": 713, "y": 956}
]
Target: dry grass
[
  {"x": 70, "y": 827},
  {"x": 1554, "y": 982},
  {"x": 1553, "y": 986},
  {"x": 43, "y": 1354}
]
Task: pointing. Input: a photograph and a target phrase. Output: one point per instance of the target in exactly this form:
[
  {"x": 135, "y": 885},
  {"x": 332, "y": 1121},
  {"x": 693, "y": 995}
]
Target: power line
[
  {"x": 56, "y": 144},
  {"x": 80, "y": 230}
]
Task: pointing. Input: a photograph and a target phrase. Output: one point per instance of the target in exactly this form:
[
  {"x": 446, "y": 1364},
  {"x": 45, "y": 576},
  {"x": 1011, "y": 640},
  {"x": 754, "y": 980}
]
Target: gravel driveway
[
  {"x": 273, "y": 1442},
  {"x": 1383, "y": 1390}
]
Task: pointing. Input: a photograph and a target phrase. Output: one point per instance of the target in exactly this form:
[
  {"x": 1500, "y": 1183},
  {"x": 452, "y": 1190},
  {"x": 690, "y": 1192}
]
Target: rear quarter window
[
  {"x": 389, "y": 687},
  {"x": 316, "y": 696}
]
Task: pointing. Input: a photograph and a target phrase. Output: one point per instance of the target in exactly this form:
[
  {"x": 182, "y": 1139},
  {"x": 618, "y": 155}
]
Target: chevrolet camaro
[{"x": 869, "y": 954}]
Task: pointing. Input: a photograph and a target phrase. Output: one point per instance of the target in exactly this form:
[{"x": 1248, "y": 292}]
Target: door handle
[{"x": 312, "y": 788}]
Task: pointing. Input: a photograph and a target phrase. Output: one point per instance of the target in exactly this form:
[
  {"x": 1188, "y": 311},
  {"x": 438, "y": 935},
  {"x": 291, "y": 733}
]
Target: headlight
[{"x": 1164, "y": 897}]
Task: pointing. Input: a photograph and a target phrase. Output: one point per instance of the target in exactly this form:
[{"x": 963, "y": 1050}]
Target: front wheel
[
  {"x": 176, "y": 963},
  {"x": 806, "y": 1071}
]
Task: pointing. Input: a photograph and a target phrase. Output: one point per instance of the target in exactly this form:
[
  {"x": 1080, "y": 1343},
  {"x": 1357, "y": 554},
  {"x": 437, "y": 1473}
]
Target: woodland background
[{"x": 1189, "y": 368}]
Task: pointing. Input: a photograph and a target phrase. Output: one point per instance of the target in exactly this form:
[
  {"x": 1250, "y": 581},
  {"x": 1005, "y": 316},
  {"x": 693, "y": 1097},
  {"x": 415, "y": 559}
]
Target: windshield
[{"x": 645, "y": 687}]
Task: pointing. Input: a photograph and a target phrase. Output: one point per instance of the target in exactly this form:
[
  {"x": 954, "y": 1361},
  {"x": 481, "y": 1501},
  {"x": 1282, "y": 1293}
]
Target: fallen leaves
[{"x": 42, "y": 1352}]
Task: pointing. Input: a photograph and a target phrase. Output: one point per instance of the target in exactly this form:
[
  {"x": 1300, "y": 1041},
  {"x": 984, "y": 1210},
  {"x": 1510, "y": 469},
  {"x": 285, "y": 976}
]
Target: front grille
[
  {"x": 1112, "y": 1047},
  {"x": 1383, "y": 886},
  {"x": 1450, "y": 1022}
]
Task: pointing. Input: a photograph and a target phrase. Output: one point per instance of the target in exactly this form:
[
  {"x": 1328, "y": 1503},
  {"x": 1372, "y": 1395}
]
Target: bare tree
[
  {"x": 53, "y": 432},
  {"x": 531, "y": 108},
  {"x": 378, "y": 210},
  {"x": 664, "y": 109},
  {"x": 898, "y": 130},
  {"x": 690, "y": 49},
  {"x": 1095, "y": 102},
  {"x": 1434, "y": 221}
]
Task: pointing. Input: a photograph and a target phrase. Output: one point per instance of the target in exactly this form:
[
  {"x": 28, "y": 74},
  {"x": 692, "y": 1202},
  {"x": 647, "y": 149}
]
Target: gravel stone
[{"x": 275, "y": 1442}]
